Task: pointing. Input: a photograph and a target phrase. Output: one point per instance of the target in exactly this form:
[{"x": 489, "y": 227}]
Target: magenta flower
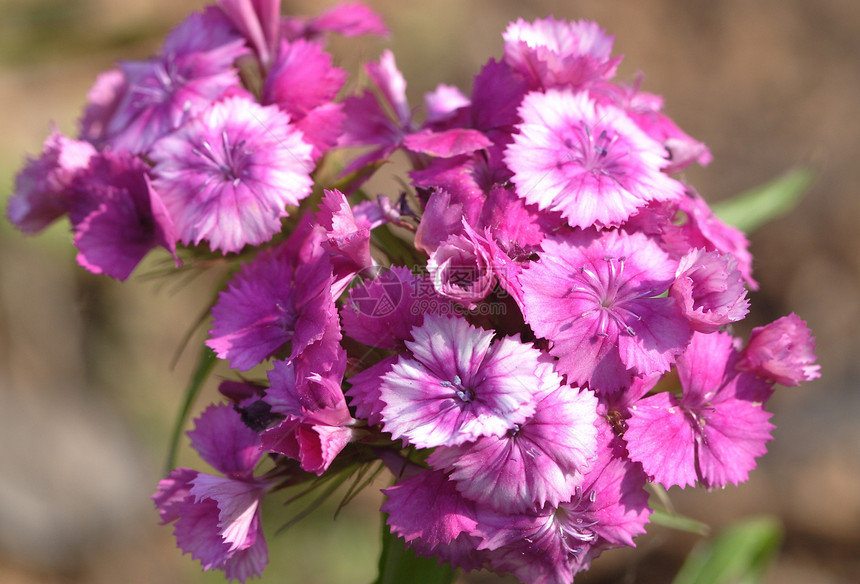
[
  {"x": 433, "y": 518},
  {"x": 588, "y": 161},
  {"x": 307, "y": 391},
  {"x": 217, "y": 519},
  {"x": 710, "y": 290},
  {"x": 270, "y": 305},
  {"x": 714, "y": 431},
  {"x": 551, "y": 53},
  {"x": 536, "y": 463},
  {"x": 228, "y": 175},
  {"x": 41, "y": 193},
  {"x": 782, "y": 351},
  {"x": 456, "y": 387},
  {"x": 303, "y": 83},
  {"x": 597, "y": 297}
]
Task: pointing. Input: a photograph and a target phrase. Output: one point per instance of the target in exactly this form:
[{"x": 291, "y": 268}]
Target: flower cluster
[{"x": 498, "y": 335}]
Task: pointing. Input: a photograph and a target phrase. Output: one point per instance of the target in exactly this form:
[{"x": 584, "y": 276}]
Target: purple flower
[
  {"x": 117, "y": 216},
  {"x": 597, "y": 297},
  {"x": 710, "y": 290},
  {"x": 227, "y": 175},
  {"x": 456, "y": 387},
  {"x": 347, "y": 239},
  {"x": 714, "y": 431},
  {"x": 550, "y": 53},
  {"x": 588, "y": 161},
  {"x": 538, "y": 462},
  {"x": 41, "y": 188},
  {"x": 782, "y": 351},
  {"x": 154, "y": 97},
  {"x": 217, "y": 519},
  {"x": 348, "y": 19},
  {"x": 270, "y": 304}
]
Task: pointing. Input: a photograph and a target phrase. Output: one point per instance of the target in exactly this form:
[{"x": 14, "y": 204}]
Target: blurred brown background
[{"x": 88, "y": 394}]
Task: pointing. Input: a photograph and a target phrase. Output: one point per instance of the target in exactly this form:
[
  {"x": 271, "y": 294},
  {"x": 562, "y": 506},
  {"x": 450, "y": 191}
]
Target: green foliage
[
  {"x": 739, "y": 555},
  {"x": 757, "y": 206},
  {"x": 205, "y": 363}
]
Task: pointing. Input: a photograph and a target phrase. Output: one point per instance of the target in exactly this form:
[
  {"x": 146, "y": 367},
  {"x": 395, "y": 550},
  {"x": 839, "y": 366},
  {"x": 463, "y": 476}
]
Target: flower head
[
  {"x": 227, "y": 176},
  {"x": 588, "y": 161},
  {"x": 456, "y": 386}
]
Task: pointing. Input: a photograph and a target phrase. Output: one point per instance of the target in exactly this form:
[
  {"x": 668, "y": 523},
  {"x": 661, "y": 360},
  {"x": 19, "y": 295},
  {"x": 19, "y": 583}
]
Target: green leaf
[
  {"x": 679, "y": 522},
  {"x": 739, "y": 555},
  {"x": 755, "y": 207},
  {"x": 205, "y": 363},
  {"x": 398, "y": 565}
]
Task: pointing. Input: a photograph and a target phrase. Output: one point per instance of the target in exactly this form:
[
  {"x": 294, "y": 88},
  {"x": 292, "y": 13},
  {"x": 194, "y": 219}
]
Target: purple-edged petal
[{"x": 456, "y": 387}]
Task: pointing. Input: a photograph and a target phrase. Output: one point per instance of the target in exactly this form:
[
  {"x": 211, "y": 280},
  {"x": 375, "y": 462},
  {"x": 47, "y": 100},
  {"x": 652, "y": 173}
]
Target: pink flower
[
  {"x": 461, "y": 268},
  {"x": 227, "y": 176},
  {"x": 710, "y": 290},
  {"x": 217, "y": 519},
  {"x": 456, "y": 386},
  {"x": 551, "y": 53},
  {"x": 713, "y": 433},
  {"x": 597, "y": 296},
  {"x": 588, "y": 161},
  {"x": 782, "y": 351}
]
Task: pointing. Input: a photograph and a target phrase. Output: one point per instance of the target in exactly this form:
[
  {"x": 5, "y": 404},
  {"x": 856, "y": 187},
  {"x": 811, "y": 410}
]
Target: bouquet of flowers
[{"x": 529, "y": 328}]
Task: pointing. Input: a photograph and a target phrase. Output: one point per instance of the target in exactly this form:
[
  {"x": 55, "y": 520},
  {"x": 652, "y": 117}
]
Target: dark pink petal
[
  {"x": 302, "y": 78},
  {"x": 426, "y": 510},
  {"x": 363, "y": 392},
  {"x": 447, "y": 143},
  {"x": 660, "y": 437},
  {"x": 172, "y": 493},
  {"x": 225, "y": 442},
  {"x": 350, "y": 19}
]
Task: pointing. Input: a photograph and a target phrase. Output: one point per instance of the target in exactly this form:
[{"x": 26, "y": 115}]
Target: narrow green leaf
[
  {"x": 755, "y": 207},
  {"x": 205, "y": 363},
  {"x": 679, "y": 522},
  {"x": 739, "y": 555},
  {"x": 398, "y": 565}
]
